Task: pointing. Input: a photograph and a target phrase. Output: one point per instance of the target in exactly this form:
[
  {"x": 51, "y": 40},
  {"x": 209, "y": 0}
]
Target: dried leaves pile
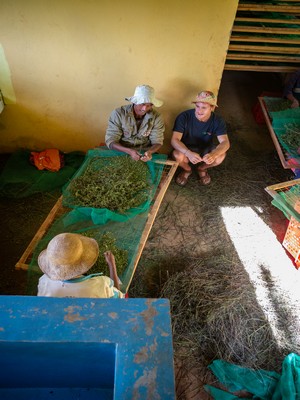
[
  {"x": 291, "y": 137},
  {"x": 116, "y": 183},
  {"x": 106, "y": 242}
]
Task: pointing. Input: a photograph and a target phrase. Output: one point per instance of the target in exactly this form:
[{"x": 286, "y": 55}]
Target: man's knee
[
  {"x": 220, "y": 159},
  {"x": 178, "y": 156}
]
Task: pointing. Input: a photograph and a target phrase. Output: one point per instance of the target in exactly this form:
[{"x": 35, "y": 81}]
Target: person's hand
[
  {"x": 209, "y": 158},
  {"x": 295, "y": 103},
  {"x": 146, "y": 157},
  {"x": 193, "y": 157},
  {"x": 109, "y": 257},
  {"x": 135, "y": 155}
]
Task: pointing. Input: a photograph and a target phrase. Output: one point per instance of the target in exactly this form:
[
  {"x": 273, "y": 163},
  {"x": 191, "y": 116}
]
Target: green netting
[
  {"x": 109, "y": 188},
  {"x": 124, "y": 242},
  {"x": 19, "y": 178},
  {"x": 287, "y": 201},
  {"x": 276, "y": 104},
  {"x": 124, "y": 230},
  {"x": 287, "y": 131},
  {"x": 286, "y": 113}
]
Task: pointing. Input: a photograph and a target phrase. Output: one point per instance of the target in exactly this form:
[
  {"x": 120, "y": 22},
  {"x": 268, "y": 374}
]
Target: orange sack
[{"x": 49, "y": 159}]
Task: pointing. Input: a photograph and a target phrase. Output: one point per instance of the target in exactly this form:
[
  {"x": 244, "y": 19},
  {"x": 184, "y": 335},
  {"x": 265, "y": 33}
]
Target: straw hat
[
  {"x": 68, "y": 255},
  {"x": 144, "y": 94},
  {"x": 206, "y": 97}
]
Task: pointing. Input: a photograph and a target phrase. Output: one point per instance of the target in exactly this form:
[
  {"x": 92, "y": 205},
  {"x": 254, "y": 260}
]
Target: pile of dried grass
[
  {"x": 191, "y": 260},
  {"x": 116, "y": 183},
  {"x": 215, "y": 315}
]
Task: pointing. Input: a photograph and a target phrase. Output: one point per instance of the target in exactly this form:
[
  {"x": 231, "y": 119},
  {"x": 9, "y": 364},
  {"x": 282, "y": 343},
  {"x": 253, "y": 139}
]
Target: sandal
[
  {"x": 182, "y": 178},
  {"x": 204, "y": 179}
]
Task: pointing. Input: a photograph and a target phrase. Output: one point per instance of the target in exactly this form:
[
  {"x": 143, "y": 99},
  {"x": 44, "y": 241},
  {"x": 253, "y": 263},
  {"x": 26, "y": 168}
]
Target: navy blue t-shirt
[{"x": 197, "y": 134}]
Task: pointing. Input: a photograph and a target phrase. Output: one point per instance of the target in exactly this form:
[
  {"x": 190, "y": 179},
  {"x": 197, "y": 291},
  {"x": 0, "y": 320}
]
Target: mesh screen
[{"x": 125, "y": 229}]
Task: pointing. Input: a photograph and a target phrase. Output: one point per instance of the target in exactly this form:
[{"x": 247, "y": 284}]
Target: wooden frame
[
  {"x": 285, "y": 21},
  {"x": 22, "y": 263},
  {"x": 273, "y": 190},
  {"x": 152, "y": 215},
  {"x": 58, "y": 208},
  {"x": 259, "y": 68},
  {"x": 287, "y": 164},
  {"x": 263, "y": 57},
  {"x": 263, "y": 49},
  {"x": 257, "y": 30},
  {"x": 265, "y": 29},
  {"x": 281, "y": 8},
  {"x": 263, "y": 39}
]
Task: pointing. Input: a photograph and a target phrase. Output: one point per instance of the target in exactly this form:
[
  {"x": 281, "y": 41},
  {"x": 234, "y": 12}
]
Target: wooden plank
[
  {"x": 281, "y": 8},
  {"x": 283, "y": 185},
  {"x": 265, "y": 29},
  {"x": 21, "y": 264},
  {"x": 259, "y": 68},
  {"x": 287, "y": 21},
  {"x": 259, "y": 57},
  {"x": 264, "y": 49},
  {"x": 239, "y": 38},
  {"x": 152, "y": 215},
  {"x": 285, "y": 163}
]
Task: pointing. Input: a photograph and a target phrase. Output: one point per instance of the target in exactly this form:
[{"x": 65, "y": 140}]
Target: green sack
[{"x": 263, "y": 385}]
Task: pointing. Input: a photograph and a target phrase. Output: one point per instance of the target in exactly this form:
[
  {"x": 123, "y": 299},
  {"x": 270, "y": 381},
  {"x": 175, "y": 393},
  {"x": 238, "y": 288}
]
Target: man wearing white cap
[
  {"x": 199, "y": 137},
  {"x": 137, "y": 129},
  {"x": 65, "y": 262}
]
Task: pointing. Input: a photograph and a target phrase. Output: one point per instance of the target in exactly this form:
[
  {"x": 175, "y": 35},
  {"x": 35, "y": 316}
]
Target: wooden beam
[
  {"x": 259, "y": 57},
  {"x": 264, "y": 39},
  {"x": 259, "y": 68},
  {"x": 23, "y": 262},
  {"x": 263, "y": 29},
  {"x": 264, "y": 49},
  {"x": 282, "y": 8},
  {"x": 287, "y": 21}
]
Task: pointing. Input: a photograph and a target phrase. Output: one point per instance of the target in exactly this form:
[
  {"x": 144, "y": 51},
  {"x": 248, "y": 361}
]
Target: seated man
[
  {"x": 193, "y": 139},
  {"x": 64, "y": 262},
  {"x": 291, "y": 89},
  {"x": 137, "y": 127}
]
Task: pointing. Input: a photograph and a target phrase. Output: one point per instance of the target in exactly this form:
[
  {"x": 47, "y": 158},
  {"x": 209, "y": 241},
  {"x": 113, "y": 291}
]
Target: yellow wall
[{"x": 66, "y": 64}]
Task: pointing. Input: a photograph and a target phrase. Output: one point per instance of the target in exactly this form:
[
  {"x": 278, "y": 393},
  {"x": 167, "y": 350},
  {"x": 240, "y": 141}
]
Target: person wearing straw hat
[
  {"x": 137, "y": 129},
  {"x": 199, "y": 138},
  {"x": 65, "y": 262}
]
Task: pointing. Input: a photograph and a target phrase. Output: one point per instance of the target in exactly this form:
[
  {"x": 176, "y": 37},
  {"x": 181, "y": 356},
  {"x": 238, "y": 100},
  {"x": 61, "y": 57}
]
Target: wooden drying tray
[
  {"x": 283, "y": 155},
  {"x": 291, "y": 206},
  {"x": 58, "y": 209},
  {"x": 274, "y": 189}
]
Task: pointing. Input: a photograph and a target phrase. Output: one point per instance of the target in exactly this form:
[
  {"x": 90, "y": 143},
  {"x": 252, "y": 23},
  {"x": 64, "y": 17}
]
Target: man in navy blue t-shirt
[{"x": 193, "y": 139}]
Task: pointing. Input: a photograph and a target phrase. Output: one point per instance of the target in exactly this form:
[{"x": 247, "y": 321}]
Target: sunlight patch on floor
[{"x": 272, "y": 272}]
